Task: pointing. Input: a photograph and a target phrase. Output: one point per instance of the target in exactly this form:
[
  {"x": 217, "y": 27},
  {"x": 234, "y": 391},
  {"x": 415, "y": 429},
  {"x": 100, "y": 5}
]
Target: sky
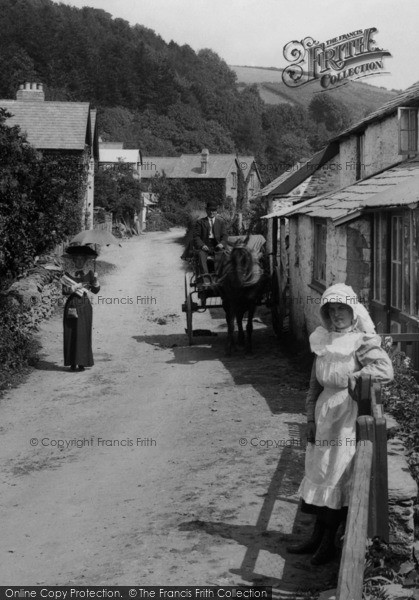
[{"x": 254, "y": 32}]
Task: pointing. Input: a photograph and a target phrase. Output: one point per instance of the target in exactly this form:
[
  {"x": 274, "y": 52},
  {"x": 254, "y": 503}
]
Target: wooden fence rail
[
  {"x": 368, "y": 505},
  {"x": 351, "y": 573}
]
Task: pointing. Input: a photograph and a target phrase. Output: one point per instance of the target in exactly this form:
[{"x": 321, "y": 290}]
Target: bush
[
  {"x": 41, "y": 196},
  {"x": 400, "y": 399},
  {"x": 156, "y": 221},
  {"x": 17, "y": 346}
]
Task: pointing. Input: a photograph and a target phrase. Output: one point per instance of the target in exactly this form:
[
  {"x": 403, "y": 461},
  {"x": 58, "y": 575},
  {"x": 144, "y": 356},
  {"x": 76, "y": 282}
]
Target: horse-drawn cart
[{"x": 204, "y": 292}]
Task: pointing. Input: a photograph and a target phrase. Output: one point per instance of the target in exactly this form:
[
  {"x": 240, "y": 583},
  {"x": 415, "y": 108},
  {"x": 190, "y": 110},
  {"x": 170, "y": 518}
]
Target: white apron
[{"x": 328, "y": 463}]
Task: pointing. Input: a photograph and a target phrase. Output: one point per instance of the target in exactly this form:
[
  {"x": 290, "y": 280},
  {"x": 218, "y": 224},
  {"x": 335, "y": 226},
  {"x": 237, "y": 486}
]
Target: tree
[
  {"x": 332, "y": 113},
  {"x": 117, "y": 191},
  {"x": 40, "y": 198},
  {"x": 173, "y": 199},
  {"x": 18, "y": 168}
]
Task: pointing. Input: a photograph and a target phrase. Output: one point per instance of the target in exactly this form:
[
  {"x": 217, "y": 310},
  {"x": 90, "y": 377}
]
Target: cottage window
[
  {"x": 380, "y": 258},
  {"x": 319, "y": 263},
  {"x": 396, "y": 273},
  {"x": 360, "y": 156},
  {"x": 234, "y": 180},
  {"x": 396, "y": 261},
  {"x": 252, "y": 182},
  {"x": 396, "y": 242},
  {"x": 408, "y": 130}
]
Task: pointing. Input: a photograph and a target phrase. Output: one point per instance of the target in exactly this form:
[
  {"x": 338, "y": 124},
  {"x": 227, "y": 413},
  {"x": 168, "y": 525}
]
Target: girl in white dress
[{"x": 345, "y": 348}]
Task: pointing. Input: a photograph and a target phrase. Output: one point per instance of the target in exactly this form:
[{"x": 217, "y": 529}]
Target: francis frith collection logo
[{"x": 350, "y": 56}]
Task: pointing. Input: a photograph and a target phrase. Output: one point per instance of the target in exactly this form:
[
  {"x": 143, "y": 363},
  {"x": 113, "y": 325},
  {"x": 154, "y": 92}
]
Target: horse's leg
[
  {"x": 230, "y": 327},
  {"x": 239, "y": 318},
  {"x": 249, "y": 328}
]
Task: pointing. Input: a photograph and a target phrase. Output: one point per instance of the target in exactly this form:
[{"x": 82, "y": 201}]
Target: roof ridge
[{"x": 387, "y": 108}]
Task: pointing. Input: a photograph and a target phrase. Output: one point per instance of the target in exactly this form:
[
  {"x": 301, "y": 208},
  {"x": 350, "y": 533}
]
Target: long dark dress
[{"x": 78, "y": 331}]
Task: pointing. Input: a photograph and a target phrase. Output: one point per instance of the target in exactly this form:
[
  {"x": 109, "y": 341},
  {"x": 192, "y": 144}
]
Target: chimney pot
[
  {"x": 30, "y": 92},
  {"x": 204, "y": 161}
]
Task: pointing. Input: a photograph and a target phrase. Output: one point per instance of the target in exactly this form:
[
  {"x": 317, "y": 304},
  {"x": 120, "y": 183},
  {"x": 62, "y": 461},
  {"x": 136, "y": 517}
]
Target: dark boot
[
  {"x": 327, "y": 549},
  {"x": 312, "y": 544}
]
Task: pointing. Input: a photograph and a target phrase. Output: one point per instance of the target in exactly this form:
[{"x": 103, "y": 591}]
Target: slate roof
[
  {"x": 114, "y": 155},
  {"x": 397, "y": 186},
  {"x": 158, "y": 165},
  {"x": 409, "y": 97},
  {"x": 189, "y": 166},
  {"x": 245, "y": 164},
  {"x": 52, "y": 125},
  {"x": 286, "y": 182}
]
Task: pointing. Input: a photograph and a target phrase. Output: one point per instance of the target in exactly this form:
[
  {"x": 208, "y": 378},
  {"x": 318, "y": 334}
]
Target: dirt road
[{"x": 162, "y": 464}]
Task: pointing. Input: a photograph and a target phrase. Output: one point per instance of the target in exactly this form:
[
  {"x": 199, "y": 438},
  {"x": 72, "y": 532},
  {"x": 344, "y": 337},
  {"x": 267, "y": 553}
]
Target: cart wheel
[
  {"x": 277, "y": 311},
  {"x": 188, "y": 306}
]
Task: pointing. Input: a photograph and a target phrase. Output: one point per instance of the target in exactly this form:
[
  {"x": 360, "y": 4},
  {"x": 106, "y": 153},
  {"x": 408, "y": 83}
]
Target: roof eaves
[
  {"x": 305, "y": 171},
  {"x": 289, "y": 210},
  {"x": 405, "y": 98}
]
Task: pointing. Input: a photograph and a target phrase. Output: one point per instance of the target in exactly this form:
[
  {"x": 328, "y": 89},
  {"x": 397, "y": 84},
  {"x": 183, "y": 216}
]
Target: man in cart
[{"x": 210, "y": 239}]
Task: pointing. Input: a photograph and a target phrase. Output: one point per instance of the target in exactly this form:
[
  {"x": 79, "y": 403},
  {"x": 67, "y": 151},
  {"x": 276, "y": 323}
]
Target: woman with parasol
[{"x": 78, "y": 309}]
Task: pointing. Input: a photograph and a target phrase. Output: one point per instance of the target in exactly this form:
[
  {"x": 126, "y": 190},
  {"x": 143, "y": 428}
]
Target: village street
[{"x": 163, "y": 464}]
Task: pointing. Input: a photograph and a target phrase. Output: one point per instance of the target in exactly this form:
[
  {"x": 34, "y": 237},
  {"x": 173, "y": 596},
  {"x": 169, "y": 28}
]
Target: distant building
[
  {"x": 110, "y": 157},
  {"x": 227, "y": 175},
  {"x": 66, "y": 127}
]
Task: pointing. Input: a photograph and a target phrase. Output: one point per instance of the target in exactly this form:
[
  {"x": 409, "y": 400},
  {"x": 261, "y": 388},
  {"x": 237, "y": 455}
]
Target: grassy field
[{"x": 361, "y": 97}]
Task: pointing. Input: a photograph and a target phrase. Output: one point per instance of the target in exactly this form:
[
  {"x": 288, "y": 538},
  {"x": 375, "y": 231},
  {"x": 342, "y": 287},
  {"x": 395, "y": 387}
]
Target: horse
[{"x": 241, "y": 283}]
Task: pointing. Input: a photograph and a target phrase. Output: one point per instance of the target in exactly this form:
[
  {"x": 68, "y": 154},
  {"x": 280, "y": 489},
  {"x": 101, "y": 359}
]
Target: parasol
[
  {"x": 79, "y": 249},
  {"x": 103, "y": 237}
]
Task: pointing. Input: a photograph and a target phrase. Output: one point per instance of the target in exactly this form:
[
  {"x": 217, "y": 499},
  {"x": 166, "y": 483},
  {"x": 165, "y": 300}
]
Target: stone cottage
[
  {"x": 225, "y": 175},
  {"x": 352, "y": 215}
]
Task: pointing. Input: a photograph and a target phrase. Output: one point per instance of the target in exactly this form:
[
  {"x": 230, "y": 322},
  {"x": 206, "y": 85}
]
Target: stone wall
[
  {"x": 39, "y": 293},
  {"x": 325, "y": 179},
  {"x": 402, "y": 499},
  {"x": 380, "y": 150},
  {"x": 359, "y": 258},
  {"x": 348, "y": 260}
]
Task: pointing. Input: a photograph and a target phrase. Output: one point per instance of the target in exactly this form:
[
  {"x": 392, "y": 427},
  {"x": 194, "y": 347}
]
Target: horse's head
[{"x": 241, "y": 262}]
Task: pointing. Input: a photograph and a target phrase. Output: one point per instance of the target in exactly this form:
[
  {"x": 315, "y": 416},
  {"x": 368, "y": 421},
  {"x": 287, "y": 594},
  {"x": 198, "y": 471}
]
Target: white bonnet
[{"x": 340, "y": 292}]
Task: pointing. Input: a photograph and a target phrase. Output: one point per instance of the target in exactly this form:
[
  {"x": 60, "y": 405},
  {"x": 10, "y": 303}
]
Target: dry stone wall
[
  {"x": 39, "y": 293},
  {"x": 402, "y": 497}
]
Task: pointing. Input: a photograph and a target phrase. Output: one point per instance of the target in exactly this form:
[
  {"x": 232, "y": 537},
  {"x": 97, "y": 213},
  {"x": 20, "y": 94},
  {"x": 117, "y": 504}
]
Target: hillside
[
  {"x": 362, "y": 98},
  {"x": 167, "y": 99}
]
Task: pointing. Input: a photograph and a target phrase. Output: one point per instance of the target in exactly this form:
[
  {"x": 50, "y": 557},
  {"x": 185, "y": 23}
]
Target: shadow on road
[
  {"x": 45, "y": 365},
  {"x": 265, "y": 549},
  {"x": 276, "y": 377}
]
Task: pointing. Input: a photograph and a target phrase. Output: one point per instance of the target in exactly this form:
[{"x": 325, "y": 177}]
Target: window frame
[
  {"x": 380, "y": 258},
  {"x": 251, "y": 182},
  {"x": 360, "y": 156},
  {"x": 411, "y": 130}
]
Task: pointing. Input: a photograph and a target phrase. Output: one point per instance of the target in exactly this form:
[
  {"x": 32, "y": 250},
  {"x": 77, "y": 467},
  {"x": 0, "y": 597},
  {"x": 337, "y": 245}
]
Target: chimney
[
  {"x": 30, "y": 92},
  {"x": 204, "y": 161}
]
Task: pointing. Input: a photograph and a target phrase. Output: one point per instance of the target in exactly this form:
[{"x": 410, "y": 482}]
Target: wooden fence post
[
  {"x": 379, "y": 525},
  {"x": 351, "y": 573},
  {"x": 364, "y": 398}
]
